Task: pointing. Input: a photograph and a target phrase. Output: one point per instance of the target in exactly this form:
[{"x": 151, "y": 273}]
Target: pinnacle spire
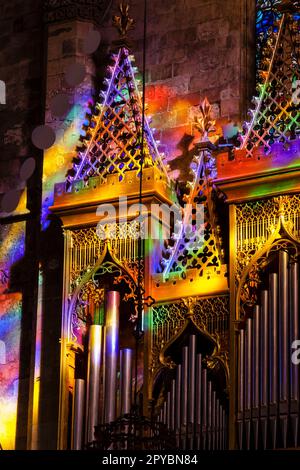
[{"x": 111, "y": 143}]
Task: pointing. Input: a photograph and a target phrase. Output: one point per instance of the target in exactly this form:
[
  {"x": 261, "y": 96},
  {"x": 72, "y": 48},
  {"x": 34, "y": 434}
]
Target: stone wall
[
  {"x": 21, "y": 68},
  {"x": 195, "y": 49}
]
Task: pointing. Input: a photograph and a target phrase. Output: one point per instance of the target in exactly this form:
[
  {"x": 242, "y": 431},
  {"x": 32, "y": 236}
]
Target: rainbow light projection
[
  {"x": 58, "y": 158},
  {"x": 11, "y": 252},
  {"x": 10, "y": 318}
]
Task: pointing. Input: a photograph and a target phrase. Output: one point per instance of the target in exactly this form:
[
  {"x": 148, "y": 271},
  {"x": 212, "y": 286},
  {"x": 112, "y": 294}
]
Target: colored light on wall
[
  {"x": 11, "y": 252},
  {"x": 58, "y": 158},
  {"x": 10, "y": 323}
]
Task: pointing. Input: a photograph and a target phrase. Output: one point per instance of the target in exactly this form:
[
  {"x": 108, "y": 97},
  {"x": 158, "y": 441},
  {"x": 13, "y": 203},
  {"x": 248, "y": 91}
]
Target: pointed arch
[{"x": 106, "y": 256}]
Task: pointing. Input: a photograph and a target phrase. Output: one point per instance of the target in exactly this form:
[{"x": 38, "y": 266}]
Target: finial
[
  {"x": 123, "y": 23},
  {"x": 203, "y": 121}
]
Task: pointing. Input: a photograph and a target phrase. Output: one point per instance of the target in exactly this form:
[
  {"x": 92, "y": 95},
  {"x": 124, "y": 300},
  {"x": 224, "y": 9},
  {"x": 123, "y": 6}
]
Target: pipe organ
[
  {"x": 268, "y": 382},
  {"x": 109, "y": 375},
  {"x": 193, "y": 408},
  {"x": 232, "y": 288}
]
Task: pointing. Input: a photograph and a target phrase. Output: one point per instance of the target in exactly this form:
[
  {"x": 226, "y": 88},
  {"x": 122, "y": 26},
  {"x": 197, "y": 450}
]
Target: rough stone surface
[{"x": 195, "y": 48}]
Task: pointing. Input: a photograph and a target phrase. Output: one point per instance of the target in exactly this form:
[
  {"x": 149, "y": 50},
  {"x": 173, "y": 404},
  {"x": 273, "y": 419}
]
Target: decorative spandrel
[
  {"x": 112, "y": 141},
  {"x": 257, "y": 220},
  {"x": 210, "y": 315},
  {"x": 263, "y": 228},
  {"x": 86, "y": 247}
]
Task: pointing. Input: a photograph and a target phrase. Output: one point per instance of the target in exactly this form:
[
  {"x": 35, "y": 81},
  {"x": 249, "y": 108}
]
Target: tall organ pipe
[
  {"x": 213, "y": 420},
  {"x": 204, "y": 408},
  {"x": 241, "y": 382},
  {"x": 172, "y": 399},
  {"x": 224, "y": 429},
  {"x": 221, "y": 427},
  {"x": 264, "y": 362},
  {"x": 218, "y": 424},
  {"x": 125, "y": 380},
  {"x": 294, "y": 302},
  {"x": 111, "y": 354},
  {"x": 184, "y": 394},
  {"x": 248, "y": 363},
  {"x": 198, "y": 399},
  {"x": 209, "y": 413},
  {"x": 165, "y": 412},
  {"x": 178, "y": 404},
  {"x": 78, "y": 412},
  {"x": 284, "y": 329},
  {"x": 202, "y": 426},
  {"x": 264, "y": 347},
  {"x": 248, "y": 382},
  {"x": 169, "y": 410},
  {"x": 93, "y": 374},
  {"x": 191, "y": 388},
  {"x": 256, "y": 362},
  {"x": 273, "y": 310}
]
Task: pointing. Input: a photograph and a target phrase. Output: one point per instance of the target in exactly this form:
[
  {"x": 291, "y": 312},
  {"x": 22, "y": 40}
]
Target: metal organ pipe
[
  {"x": 178, "y": 403},
  {"x": 209, "y": 412},
  {"x": 264, "y": 343},
  {"x": 248, "y": 364},
  {"x": 241, "y": 370},
  {"x": 294, "y": 303},
  {"x": 273, "y": 302},
  {"x": 241, "y": 385},
  {"x": 198, "y": 399},
  {"x": 169, "y": 410},
  {"x": 93, "y": 374},
  {"x": 223, "y": 445},
  {"x": 213, "y": 420},
  {"x": 255, "y": 373},
  {"x": 165, "y": 413},
  {"x": 256, "y": 362},
  {"x": 264, "y": 363},
  {"x": 191, "y": 388},
  {"x": 78, "y": 413},
  {"x": 294, "y": 335},
  {"x": 173, "y": 404},
  {"x": 191, "y": 407},
  {"x": 204, "y": 408},
  {"x": 269, "y": 385},
  {"x": 283, "y": 324},
  {"x": 248, "y": 380},
  {"x": 184, "y": 393},
  {"x": 111, "y": 354},
  {"x": 217, "y": 424},
  {"x": 126, "y": 356}
]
